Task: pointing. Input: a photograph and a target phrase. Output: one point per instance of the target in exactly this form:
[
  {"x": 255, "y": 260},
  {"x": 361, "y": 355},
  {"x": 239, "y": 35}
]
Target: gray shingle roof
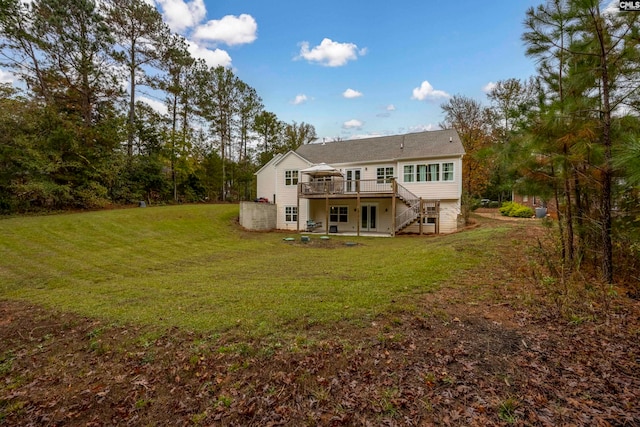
[{"x": 396, "y": 147}]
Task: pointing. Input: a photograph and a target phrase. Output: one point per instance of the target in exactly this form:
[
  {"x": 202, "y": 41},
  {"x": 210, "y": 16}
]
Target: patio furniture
[{"x": 312, "y": 225}]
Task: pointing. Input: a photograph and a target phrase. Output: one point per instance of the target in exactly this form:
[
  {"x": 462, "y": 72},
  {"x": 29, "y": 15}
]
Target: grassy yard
[
  {"x": 193, "y": 267},
  {"x": 175, "y": 316}
]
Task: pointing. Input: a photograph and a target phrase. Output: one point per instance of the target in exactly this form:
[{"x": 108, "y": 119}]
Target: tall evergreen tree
[
  {"x": 178, "y": 85},
  {"x": 138, "y": 30},
  {"x": 588, "y": 58},
  {"x": 295, "y": 135},
  {"x": 269, "y": 128},
  {"x": 218, "y": 102}
]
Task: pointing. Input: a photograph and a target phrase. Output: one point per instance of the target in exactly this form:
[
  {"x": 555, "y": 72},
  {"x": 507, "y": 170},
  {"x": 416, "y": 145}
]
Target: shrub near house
[{"x": 517, "y": 210}]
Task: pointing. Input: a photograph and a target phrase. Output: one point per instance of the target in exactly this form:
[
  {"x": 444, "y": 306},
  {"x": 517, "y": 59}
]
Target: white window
[
  {"x": 384, "y": 174},
  {"x": 291, "y": 177},
  {"x": 421, "y": 173},
  {"x": 433, "y": 172},
  {"x": 430, "y": 172},
  {"x": 408, "y": 173},
  {"x": 339, "y": 214},
  {"x": 291, "y": 213},
  {"x": 447, "y": 171}
]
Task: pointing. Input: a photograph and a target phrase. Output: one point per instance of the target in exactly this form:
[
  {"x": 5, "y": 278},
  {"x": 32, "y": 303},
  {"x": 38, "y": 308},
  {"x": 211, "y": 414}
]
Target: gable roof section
[
  {"x": 395, "y": 147},
  {"x": 273, "y": 161},
  {"x": 278, "y": 158},
  {"x": 292, "y": 153}
]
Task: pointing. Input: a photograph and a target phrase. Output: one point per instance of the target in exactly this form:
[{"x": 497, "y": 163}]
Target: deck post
[
  {"x": 394, "y": 187},
  {"x": 437, "y": 216},
  {"x": 358, "y": 207},
  {"x": 421, "y": 215},
  {"x": 326, "y": 224},
  {"x": 298, "y": 210}
]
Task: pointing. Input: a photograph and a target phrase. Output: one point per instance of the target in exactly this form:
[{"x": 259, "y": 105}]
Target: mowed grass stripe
[{"x": 191, "y": 267}]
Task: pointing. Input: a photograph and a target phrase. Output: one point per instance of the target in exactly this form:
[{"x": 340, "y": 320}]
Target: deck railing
[
  {"x": 345, "y": 187},
  {"x": 408, "y": 216}
]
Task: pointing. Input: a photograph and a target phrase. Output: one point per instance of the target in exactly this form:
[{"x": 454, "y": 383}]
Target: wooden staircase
[
  {"x": 408, "y": 216},
  {"x": 415, "y": 205}
]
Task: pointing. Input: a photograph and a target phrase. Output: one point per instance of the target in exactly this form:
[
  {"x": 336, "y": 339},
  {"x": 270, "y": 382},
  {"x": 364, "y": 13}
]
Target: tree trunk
[
  {"x": 607, "y": 168},
  {"x": 569, "y": 212},
  {"x": 132, "y": 99},
  {"x": 174, "y": 119}
]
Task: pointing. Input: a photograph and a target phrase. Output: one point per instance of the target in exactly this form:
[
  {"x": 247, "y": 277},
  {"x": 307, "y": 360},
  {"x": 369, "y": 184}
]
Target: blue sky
[
  {"x": 356, "y": 68},
  {"x": 350, "y": 68}
]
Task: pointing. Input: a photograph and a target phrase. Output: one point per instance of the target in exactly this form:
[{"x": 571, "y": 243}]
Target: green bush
[
  {"x": 506, "y": 208},
  {"x": 517, "y": 210},
  {"x": 522, "y": 212}
]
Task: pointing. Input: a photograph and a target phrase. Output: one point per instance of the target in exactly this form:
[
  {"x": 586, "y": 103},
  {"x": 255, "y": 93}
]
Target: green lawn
[{"x": 192, "y": 267}]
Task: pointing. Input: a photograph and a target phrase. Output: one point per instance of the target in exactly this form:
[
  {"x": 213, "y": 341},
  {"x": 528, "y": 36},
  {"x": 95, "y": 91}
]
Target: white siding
[
  {"x": 287, "y": 195},
  {"x": 267, "y": 183},
  {"x": 266, "y": 178},
  {"x": 437, "y": 190},
  {"x": 449, "y": 211}
]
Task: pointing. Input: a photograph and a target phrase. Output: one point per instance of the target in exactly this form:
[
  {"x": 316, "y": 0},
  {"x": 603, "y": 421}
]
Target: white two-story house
[{"x": 402, "y": 183}]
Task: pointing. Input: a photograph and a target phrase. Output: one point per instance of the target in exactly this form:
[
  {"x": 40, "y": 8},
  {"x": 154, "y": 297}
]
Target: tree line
[
  {"x": 79, "y": 136},
  {"x": 569, "y": 135}
]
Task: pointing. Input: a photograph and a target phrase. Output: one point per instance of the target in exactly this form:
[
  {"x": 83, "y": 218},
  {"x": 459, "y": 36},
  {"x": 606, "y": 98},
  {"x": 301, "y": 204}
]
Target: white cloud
[
  {"x": 230, "y": 30},
  {"x": 158, "y": 106},
  {"x": 367, "y": 135},
  {"x": 330, "y": 53},
  {"x": 422, "y": 128},
  {"x": 391, "y": 107},
  {"x": 350, "y": 93},
  {"x": 426, "y": 91},
  {"x": 488, "y": 87},
  {"x": 300, "y": 99},
  {"x": 7, "y": 76},
  {"x": 181, "y": 15},
  {"x": 213, "y": 58},
  {"x": 352, "y": 124}
]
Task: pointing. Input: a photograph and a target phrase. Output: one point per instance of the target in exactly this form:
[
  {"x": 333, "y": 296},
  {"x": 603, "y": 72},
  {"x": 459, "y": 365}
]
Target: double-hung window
[
  {"x": 384, "y": 175},
  {"x": 408, "y": 173},
  {"x": 339, "y": 214},
  {"x": 433, "y": 172},
  {"x": 447, "y": 171},
  {"x": 291, "y": 213},
  {"x": 291, "y": 177},
  {"x": 421, "y": 173}
]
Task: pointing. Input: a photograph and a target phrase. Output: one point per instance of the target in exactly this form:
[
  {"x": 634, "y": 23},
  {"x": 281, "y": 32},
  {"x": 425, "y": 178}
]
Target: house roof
[
  {"x": 278, "y": 158},
  {"x": 292, "y": 153},
  {"x": 273, "y": 160},
  {"x": 440, "y": 143}
]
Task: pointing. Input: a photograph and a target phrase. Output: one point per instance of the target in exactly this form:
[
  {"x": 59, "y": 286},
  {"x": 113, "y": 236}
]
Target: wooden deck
[
  {"x": 340, "y": 189},
  {"x": 334, "y": 189}
]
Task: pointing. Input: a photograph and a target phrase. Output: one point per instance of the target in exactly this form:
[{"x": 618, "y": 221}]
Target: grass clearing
[{"x": 192, "y": 267}]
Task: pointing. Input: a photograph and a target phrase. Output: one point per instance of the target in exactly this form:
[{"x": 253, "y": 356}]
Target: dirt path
[{"x": 483, "y": 351}]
